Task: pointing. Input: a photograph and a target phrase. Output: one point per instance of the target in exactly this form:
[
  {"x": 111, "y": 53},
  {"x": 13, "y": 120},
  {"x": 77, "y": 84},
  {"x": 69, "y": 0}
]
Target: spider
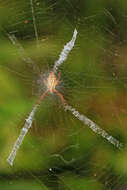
[{"x": 51, "y": 82}]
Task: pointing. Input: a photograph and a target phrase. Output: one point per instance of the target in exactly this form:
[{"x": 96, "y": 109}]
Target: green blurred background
[{"x": 58, "y": 151}]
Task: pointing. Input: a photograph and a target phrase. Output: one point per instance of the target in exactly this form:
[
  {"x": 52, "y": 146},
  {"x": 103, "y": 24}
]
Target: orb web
[{"x": 60, "y": 152}]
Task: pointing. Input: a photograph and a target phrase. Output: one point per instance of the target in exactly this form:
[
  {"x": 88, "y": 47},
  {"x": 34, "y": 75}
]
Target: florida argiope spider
[{"x": 51, "y": 82}]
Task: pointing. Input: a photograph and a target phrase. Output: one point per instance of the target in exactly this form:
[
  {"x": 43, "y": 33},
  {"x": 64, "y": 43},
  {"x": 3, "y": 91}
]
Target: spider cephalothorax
[{"x": 51, "y": 82}]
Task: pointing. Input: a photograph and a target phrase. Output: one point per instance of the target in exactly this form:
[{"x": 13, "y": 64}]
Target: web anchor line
[
  {"x": 22, "y": 52},
  {"x": 34, "y": 23}
]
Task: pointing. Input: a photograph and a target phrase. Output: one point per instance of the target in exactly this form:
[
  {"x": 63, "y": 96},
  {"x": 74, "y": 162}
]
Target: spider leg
[
  {"x": 61, "y": 96},
  {"x": 58, "y": 79},
  {"x": 41, "y": 76},
  {"x": 59, "y": 76},
  {"x": 42, "y": 96}
]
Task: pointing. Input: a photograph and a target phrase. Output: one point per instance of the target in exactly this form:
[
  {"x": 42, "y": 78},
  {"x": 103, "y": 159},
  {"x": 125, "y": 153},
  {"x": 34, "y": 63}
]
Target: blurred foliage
[
  {"x": 59, "y": 151},
  {"x": 21, "y": 185}
]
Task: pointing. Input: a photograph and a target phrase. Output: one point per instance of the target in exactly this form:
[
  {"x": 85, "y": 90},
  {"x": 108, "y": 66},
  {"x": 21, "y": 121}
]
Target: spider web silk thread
[
  {"x": 93, "y": 126},
  {"x": 64, "y": 53},
  {"x": 34, "y": 23},
  {"x": 22, "y": 52},
  {"x": 22, "y": 134}
]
